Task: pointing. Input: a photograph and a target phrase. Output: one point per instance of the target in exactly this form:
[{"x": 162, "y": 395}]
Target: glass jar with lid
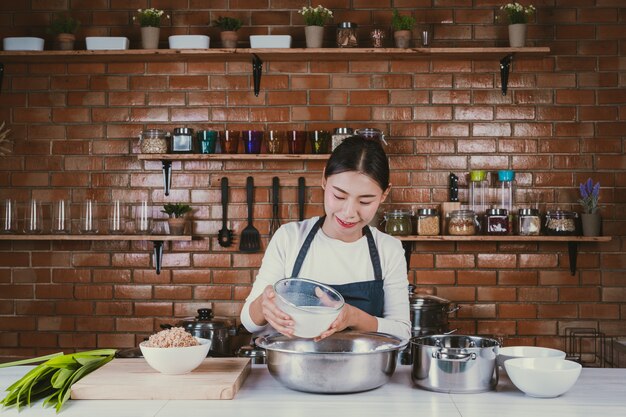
[
  {"x": 427, "y": 222},
  {"x": 347, "y": 35},
  {"x": 371, "y": 133},
  {"x": 153, "y": 141},
  {"x": 340, "y": 134},
  {"x": 528, "y": 222},
  {"x": 398, "y": 223},
  {"x": 561, "y": 223},
  {"x": 496, "y": 221},
  {"x": 462, "y": 223},
  {"x": 182, "y": 140}
]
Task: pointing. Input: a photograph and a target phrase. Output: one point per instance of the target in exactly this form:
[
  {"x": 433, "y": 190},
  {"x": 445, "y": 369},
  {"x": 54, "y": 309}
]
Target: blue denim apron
[{"x": 368, "y": 296}]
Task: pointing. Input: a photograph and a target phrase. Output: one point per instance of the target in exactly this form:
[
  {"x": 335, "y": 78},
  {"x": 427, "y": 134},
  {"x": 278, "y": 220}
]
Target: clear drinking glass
[
  {"x": 8, "y": 216},
  {"x": 143, "y": 218},
  {"x": 33, "y": 217},
  {"x": 118, "y": 217},
  {"x": 60, "y": 216},
  {"x": 89, "y": 217}
]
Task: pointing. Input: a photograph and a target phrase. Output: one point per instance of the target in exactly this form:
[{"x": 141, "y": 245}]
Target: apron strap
[{"x": 375, "y": 258}]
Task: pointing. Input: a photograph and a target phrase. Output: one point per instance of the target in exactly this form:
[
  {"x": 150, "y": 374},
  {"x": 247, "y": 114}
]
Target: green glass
[
  {"x": 207, "y": 140},
  {"x": 320, "y": 141}
]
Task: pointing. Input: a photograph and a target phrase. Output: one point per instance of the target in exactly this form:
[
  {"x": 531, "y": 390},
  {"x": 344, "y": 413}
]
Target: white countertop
[{"x": 598, "y": 392}]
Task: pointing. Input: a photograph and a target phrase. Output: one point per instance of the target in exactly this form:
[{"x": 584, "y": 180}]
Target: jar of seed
[
  {"x": 462, "y": 223},
  {"x": 153, "y": 141},
  {"x": 561, "y": 223},
  {"x": 427, "y": 222}
]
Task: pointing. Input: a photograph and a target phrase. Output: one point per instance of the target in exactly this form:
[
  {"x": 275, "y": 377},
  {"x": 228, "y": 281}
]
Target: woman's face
[{"x": 350, "y": 202}]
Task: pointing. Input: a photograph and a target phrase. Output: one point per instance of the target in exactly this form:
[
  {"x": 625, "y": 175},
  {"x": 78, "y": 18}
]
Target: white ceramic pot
[
  {"x": 314, "y": 36},
  {"x": 517, "y": 35}
]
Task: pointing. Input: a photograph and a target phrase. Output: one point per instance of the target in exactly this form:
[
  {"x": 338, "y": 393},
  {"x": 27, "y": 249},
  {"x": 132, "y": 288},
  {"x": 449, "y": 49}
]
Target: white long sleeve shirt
[{"x": 334, "y": 262}]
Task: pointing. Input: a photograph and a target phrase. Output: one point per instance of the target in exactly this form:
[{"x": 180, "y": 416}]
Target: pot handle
[
  {"x": 453, "y": 309},
  {"x": 443, "y": 355}
]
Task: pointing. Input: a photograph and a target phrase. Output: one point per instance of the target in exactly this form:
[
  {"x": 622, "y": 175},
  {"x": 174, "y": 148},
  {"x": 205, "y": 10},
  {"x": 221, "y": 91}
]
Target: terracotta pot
[
  {"x": 592, "y": 224},
  {"x": 65, "y": 41},
  {"x": 517, "y": 35},
  {"x": 150, "y": 37},
  {"x": 229, "y": 39},
  {"x": 314, "y": 36},
  {"x": 176, "y": 225},
  {"x": 402, "y": 38}
]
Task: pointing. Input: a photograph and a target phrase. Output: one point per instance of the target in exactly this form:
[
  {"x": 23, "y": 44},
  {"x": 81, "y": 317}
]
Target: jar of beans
[
  {"x": 462, "y": 223},
  {"x": 153, "y": 141},
  {"x": 561, "y": 223},
  {"x": 427, "y": 222},
  {"x": 398, "y": 223},
  {"x": 496, "y": 221}
]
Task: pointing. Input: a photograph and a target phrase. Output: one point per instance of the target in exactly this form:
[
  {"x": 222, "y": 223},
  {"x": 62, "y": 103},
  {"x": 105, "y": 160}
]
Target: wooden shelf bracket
[
  {"x": 158, "y": 255},
  {"x": 505, "y": 66},
  {"x": 167, "y": 176},
  {"x": 257, "y": 71}
]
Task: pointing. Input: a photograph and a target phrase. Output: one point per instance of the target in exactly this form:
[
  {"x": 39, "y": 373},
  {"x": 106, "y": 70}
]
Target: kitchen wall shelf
[
  {"x": 258, "y": 56},
  {"x": 166, "y": 160},
  {"x": 572, "y": 242},
  {"x": 157, "y": 241}
]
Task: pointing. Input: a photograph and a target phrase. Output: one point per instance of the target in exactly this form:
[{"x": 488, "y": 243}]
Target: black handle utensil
[
  {"x": 275, "y": 222},
  {"x": 250, "y": 237},
  {"x": 454, "y": 187},
  {"x": 301, "y": 190},
  {"x": 225, "y": 236}
]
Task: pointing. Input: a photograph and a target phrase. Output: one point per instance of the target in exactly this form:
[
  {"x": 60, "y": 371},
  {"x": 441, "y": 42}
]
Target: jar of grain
[
  {"x": 462, "y": 223},
  {"x": 529, "y": 222},
  {"x": 398, "y": 223},
  {"x": 153, "y": 141},
  {"x": 427, "y": 222},
  {"x": 561, "y": 223}
]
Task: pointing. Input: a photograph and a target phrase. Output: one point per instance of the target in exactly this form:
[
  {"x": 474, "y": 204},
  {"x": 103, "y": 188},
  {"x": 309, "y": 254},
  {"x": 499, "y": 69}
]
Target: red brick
[
  {"x": 602, "y": 312},
  {"x": 558, "y": 311},
  {"x": 434, "y": 277},
  {"x": 579, "y": 294},
  {"x": 497, "y": 260},
  {"x": 172, "y": 292},
  {"x": 543, "y": 327},
  {"x": 454, "y": 261},
  {"x": 496, "y": 328},
  {"x": 517, "y": 311},
  {"x": 496, "y": 294}
]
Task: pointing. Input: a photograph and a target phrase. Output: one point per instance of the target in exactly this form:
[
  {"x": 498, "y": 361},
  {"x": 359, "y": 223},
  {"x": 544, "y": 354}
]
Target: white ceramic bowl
[
  {"x": 313, "y": 306},
  {"x": 22, "y": 44},
  {"x": 98, "y": 43},
  {"x": 176, "y": 360},
  {"x": 270, "y": 41},
  {"x": 543, "y": 377},
  {"x": 189, "y": 42},
  {"x": 512, "y": 352}
]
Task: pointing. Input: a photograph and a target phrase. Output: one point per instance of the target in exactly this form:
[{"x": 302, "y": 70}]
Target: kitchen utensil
[
  {"x": 312, "y": 305},
  {"x": 275, "y": 222},
  {"x": 454, "y": 363},
  {"x": 225, "y": 235},
  {"x": 176, "y": 360},
  {"x": 513, "y": 352},
  {"x": 543, "y": 377},
  {"x": 344, "y": 362},
  {"x": 250, "y": 237},
  {"x": 207, "y": 326},
  {"x": 301, "y": 191},
  {"x": 133, "y": 379}
]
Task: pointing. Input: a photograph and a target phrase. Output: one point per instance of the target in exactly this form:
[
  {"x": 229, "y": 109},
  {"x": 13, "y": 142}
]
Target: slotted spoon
[
  {"x": 250, "y": 237},
  {"x": 225, "y": 235}
]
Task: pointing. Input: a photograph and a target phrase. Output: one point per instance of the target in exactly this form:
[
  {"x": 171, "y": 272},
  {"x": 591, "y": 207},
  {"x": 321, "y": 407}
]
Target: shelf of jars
[
  {"x": 157, "y": 240},
  {"x": 572, "y": 242}
]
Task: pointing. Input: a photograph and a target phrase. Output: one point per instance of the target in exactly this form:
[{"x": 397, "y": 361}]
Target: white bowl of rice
[{"x": 174, "y": 351}]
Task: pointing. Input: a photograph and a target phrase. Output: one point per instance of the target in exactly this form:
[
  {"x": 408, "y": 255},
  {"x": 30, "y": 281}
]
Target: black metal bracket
[
  {"x": 167, "y": 176},
  {"x": 505, "y": 66},
  {"x": 257, "y": 71},
  {"x": 158, "y": 255},
  {"x": 408, "y": 248},
  {"x": 1, "y": 75},
  {"x": 572, "y": 248}
]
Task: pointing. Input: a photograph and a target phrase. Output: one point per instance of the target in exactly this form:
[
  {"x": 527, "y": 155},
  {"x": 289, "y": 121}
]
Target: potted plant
[
  {"x": 314, "y": 19},
  {"x": 150, "y": 22},
  {"x": 64, "y": 27},
  {"x": 402, "y": 29},
  {"x": 589, "y": 196},
  {"x": 228, "y": 30},
  {"x": 176, "y": 220},
  {"x": 516, "y": 16}
]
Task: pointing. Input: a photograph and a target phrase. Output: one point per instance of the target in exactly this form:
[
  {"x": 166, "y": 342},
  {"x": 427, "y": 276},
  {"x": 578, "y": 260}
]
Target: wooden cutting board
[{"x": 134, "y": 379}]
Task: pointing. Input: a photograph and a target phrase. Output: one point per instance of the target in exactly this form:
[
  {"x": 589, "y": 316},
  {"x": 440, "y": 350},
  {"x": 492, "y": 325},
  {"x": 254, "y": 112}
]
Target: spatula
[
  {"x": 225, "y": 236},
  {"x": 250, "y": 237}
]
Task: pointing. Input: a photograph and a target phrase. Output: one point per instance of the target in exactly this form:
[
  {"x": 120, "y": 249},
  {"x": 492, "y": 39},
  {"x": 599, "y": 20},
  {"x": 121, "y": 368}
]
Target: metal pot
[
  {"x": 344, "y": 362},
  {"x": 207, "y": 326},
  {"x": 429, "y": 314},
  {"x": 256, "y": 354},
  {"x": 455, "y": 363}
]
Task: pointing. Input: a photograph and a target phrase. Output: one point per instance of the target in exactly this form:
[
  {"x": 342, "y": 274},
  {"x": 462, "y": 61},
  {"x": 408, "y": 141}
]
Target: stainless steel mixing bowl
[{"x": 344, "y": 362}]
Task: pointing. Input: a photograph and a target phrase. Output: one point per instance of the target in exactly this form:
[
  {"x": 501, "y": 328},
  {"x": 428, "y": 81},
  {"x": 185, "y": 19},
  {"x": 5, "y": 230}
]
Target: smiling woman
[{"x": 339, "y": 249}]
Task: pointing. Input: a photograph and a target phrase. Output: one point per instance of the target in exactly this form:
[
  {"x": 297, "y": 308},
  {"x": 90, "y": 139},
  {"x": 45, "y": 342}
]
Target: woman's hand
[
  {"x": 280, "y": 321},
  {"x": 343, "y": 321}
]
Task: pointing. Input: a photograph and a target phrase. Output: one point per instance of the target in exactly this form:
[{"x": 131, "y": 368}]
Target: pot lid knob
[{"x": 205, "y": 314}]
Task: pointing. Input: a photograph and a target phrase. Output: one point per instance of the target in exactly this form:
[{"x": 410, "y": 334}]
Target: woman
[{"x": 339, "y": 249}]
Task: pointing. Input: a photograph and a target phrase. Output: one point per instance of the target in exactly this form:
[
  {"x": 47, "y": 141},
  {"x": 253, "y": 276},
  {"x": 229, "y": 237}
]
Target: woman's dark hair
[{"x": 366, "y": 156}]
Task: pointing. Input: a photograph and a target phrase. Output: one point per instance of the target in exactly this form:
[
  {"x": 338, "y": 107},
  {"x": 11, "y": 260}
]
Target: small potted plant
[
  {"x": 402, "y": 29},
  {"x": 589, "y": 196},
  {"x": 176, "y": 220},
  {"x": 516, "y": 16},
  {"x": 228, "y": 30},
  {"x": 150, "y": 22},
  {"x": 64, "y": 27},
  {"x": 314, "y": 19}
]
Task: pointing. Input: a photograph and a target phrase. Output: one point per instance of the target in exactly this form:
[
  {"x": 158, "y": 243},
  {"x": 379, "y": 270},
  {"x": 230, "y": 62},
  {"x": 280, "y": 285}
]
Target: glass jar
[
  {"x": 478, "y": 189},
  {"x": 462, "y": 223},
  {"x": 427, "y": 222},
  {"x": 528, "y": 222},
  {"x": 346, "y": 35},
  {"x": 340, "y": 134},
  {"x": 398, "y": 223},
  {"x": 153, "y": 141},
  {"x": 182, "y": 140},
  {"x": 561, "y": 223},
  {"x": 370, "y": 133},
  {"x": 497, "y": 222}
]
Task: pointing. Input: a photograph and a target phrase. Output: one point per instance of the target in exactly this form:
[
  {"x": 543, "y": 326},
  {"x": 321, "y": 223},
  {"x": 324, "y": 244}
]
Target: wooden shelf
[
  {"x": 157, "y": 241},
  {"x": 572, "y": 242},
  {"x": 246, "y": 54},
  {"x": 232, "y": 157}
]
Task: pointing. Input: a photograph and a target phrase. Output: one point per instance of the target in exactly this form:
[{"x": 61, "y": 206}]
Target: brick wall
[{"x": 75, "y": 125}]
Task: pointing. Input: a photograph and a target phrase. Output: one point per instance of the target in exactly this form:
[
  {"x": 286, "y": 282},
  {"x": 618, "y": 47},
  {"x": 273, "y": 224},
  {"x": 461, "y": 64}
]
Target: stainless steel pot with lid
[
  {"x": 219, "y": 330},
  {"x": 256, "y": 354},
  {"x": 429, "y": 313}
]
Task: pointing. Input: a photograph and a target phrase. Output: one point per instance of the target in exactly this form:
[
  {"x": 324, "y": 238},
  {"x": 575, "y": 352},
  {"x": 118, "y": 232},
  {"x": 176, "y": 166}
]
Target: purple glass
[
  {"x": 296, "y": 140},
  {"x": 252, "y": 140}
]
